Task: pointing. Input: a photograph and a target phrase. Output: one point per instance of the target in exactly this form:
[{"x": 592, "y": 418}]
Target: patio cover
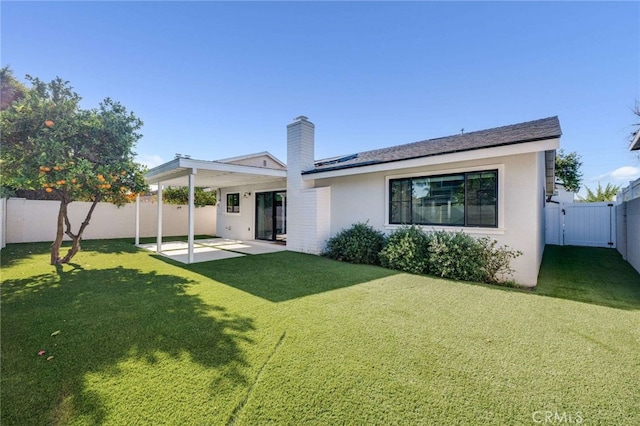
[{"x": 207, "y": 174}]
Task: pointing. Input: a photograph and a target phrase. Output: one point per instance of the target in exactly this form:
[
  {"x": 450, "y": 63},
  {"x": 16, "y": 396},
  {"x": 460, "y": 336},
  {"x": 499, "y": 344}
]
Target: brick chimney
[
  {"x": 300, "y": 151},
  {"x": 308, "y": 208}
]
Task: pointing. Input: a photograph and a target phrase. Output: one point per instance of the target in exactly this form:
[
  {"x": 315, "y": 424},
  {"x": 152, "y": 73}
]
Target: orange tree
[{"x": 49, "y": 142}]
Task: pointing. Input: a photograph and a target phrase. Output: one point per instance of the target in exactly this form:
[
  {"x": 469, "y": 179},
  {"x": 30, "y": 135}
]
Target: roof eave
[
  {"x": 537, "y": 145},
  {"x": 180, "y": 167}
]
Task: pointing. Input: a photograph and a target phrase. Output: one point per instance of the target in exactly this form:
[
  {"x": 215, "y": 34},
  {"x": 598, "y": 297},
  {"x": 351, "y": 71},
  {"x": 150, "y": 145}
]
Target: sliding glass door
[{"x": 271, "y": 216}]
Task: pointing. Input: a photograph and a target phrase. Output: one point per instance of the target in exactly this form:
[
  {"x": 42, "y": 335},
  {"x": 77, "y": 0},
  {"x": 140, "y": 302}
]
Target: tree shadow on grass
[
  {"x": 20, "y": 252},
  {"x": 597, "y": 276},
  {"x": 17, "y": 253},
  {"x": 105, "y": 317},
  {"x": 285, "y": 275}
]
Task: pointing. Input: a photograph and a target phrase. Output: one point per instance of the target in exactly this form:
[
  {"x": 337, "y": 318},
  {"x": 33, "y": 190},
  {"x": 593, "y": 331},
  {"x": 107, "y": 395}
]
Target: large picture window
[
  {"x": 233, "y": 203},
  {"x": 461, "y": 199}
]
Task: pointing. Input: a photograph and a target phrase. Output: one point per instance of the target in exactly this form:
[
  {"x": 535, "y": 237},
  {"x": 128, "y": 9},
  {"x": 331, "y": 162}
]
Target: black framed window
[
  {"x": 233, "y": 202},
  {"x": 461, "y": 199}
]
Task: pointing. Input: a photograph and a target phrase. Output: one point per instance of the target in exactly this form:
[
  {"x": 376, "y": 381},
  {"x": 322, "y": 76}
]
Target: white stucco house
[{"x": 491, "y": 182}]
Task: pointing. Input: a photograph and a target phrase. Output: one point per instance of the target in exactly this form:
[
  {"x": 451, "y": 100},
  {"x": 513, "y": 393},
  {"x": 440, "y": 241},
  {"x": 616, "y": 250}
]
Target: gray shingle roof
[{"x": 546, "y": 128}]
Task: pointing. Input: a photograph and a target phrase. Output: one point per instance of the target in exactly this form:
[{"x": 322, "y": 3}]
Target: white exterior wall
[
  {"x": 35, "y": 220},
  {"x": 241, "y": 226},
  {"x": 521, "y": 180},
  {"x": 314, "y": 218},
  {"x": 539, "y": 209}
]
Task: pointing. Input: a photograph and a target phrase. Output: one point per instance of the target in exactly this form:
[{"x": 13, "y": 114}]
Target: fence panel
[
  {"x": 35, "y": 220},
  {"x": 581, "y": 224},
  {"x": 589, "y": 224},
  {"x": 553, "y": 230}
]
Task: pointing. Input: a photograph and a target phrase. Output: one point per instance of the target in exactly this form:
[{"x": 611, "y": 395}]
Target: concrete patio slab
[
  {"x": 209, "y": 249},
  {"x": 246, "y": 247}
]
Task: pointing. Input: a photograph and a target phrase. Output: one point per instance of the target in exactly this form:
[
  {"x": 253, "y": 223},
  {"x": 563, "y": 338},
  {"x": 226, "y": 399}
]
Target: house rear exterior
[{"x": 486, "y": 183}]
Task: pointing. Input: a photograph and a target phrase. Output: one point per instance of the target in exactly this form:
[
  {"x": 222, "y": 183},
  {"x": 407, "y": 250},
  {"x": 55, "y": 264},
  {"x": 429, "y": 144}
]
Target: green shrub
[
  {"x": 496, "y": 261},
  {"x": 358, "y": 244},
  {"x": 455, "y": 255},
  {"x": 446, "y": 254},
  {"x": 180, "y": 195},
  {"x": 406, "y": 250}
]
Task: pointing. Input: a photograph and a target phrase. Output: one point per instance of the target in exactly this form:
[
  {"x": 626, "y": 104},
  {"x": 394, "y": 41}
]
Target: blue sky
[{"x": 221, "y": 79}]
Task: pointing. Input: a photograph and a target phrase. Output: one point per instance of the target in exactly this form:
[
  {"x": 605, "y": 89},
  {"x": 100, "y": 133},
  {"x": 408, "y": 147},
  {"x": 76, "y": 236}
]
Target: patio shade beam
[
  {"x": 138, "y": 220},
  {"x": 159, "y": 233},
  {"x": 192, "y": 178}
]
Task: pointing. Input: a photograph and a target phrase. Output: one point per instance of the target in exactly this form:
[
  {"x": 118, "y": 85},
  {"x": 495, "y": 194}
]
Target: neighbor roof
[{"x": 531, "y": 131}]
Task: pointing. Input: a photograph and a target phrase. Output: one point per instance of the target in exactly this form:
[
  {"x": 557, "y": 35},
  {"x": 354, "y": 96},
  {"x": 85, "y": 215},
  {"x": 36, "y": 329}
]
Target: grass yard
[{"x": 287, "y": 338}]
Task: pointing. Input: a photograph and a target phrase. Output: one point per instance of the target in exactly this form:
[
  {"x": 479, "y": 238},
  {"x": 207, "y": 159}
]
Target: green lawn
[{"x": 287, "y": 338}]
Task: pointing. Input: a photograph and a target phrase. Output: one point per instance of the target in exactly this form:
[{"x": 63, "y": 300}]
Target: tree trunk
[
  {"x": 63, "y": 220},
  {"x": 55, "y": 246}
]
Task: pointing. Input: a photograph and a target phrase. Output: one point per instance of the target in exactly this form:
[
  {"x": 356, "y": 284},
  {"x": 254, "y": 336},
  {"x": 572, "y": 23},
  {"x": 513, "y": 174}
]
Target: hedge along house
[{"x": 486, "y": 183}]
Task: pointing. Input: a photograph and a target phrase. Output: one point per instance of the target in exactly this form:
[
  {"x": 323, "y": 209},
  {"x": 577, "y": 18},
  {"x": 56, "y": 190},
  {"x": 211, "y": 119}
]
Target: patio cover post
[
  {"x": 137, "y": 220},
  {"x": 192, "y": 178},
  {"x": 159, "y": 233}
]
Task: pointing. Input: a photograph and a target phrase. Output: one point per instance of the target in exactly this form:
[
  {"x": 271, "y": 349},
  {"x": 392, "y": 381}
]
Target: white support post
[
  {"x": 192, "y": 178},
  {"x": 159, "y": 233},
  {"x": 138, "y": 220}
]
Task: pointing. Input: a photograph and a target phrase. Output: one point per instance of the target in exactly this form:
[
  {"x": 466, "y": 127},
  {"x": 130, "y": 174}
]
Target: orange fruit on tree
[
  {"x": 74, "y": 180},
  {"x": 48, "y": 189},
  {"x": 48, "y": 123},
  {"x": 47, "y": 169}
]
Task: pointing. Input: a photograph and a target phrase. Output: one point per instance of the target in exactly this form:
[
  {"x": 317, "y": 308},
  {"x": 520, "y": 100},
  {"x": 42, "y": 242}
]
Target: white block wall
[
  {"x": 3, "y": 222},
  {"x": 35, "y": 220}
]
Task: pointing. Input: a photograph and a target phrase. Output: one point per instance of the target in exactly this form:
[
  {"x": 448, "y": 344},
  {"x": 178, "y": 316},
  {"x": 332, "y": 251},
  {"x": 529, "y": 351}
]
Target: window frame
[
  {"x": 233, "y": 208},
  {"x": 498, "y": 169}
]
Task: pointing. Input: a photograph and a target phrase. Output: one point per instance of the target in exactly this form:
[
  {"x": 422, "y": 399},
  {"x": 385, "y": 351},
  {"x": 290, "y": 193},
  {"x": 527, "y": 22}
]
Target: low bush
[
  {"x": 446, "y": 254},
  {"x": 496, "y": 261},
  {"x": 359, "y": 244},
  {"x": 455, "y": 255},
  {"x": 406, "y": 250}
]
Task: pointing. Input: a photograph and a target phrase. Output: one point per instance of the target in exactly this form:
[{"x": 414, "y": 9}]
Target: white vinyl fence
[
  {"x": 630, "y": 192},
  {"x": 628, "y": 217},
  {"x": 26, "y": 221},
  {"x": 3, "y": 231},
  {"x": 581, "y": 224}
]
